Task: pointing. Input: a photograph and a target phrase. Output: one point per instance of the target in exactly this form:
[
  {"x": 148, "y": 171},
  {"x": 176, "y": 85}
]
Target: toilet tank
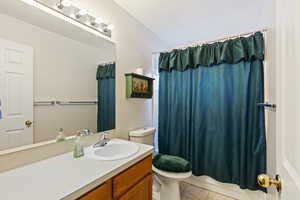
[{"x": 144, "y": 135}]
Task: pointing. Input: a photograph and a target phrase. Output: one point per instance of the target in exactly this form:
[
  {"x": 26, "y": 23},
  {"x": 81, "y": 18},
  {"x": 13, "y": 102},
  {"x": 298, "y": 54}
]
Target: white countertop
[{"x": 63, "y": 177}]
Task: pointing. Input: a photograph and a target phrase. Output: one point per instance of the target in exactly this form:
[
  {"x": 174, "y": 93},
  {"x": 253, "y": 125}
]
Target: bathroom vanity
[
  {"x": 65, "y": 178},
  {"x": 134, "y": 183}
]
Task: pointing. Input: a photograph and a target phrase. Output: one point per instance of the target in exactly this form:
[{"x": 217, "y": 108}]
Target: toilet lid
[{"x": 172, "y": 175}]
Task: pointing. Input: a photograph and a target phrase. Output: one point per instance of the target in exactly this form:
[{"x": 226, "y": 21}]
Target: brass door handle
[
  {"x": 28, "y": 123},
  {"x": 265, "y": 181}
]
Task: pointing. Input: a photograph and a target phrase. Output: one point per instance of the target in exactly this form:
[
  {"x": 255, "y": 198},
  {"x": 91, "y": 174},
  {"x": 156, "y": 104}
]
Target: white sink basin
[{"x": 114, "y": 150}]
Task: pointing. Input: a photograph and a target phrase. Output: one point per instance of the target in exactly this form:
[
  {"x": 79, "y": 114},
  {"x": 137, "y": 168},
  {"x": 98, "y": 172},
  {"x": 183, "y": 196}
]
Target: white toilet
[{"x": 168, "y": 181}]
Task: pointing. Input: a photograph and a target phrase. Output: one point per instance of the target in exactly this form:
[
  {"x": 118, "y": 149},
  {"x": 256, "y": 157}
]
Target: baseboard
[{"x": 230, "y": 190}]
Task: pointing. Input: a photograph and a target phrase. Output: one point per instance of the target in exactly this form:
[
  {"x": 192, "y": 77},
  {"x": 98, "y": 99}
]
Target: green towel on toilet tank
[{"x": 171, "y": 163}]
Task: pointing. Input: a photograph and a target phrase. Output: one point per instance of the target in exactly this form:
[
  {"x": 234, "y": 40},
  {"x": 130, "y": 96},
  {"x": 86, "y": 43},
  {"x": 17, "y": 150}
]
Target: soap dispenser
[
  {"x": 61, "y": 136},
  {"x": 78, "y": 148}
]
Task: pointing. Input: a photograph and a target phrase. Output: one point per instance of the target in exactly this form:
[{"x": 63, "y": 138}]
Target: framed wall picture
[{"x": 138, "y": 86}]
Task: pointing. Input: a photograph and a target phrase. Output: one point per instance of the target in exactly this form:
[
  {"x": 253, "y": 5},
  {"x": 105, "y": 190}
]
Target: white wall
[
  {"x": 181, "y": 22},
  {"x": 64, "y": 69}
]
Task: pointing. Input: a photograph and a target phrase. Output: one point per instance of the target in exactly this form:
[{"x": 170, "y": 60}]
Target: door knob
[
  {"x": 265, "y": 181},
  {"x": 28, "y": 123}
]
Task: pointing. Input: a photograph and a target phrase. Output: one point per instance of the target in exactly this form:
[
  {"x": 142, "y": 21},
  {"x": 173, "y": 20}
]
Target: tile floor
[{"x": 190, "y": 192}]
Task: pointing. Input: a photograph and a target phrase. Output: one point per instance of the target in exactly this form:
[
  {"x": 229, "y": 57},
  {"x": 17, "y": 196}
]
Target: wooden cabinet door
[
  {"x": 127, "y": 179},
  {"x": 103, "y": 192},
  {"x": 141, "y": 191}
]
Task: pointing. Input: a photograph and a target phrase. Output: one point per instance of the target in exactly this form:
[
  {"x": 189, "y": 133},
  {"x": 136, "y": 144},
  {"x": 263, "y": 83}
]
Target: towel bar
[
  {"x": 76, "y": 102},
  {"x": 268, "y": 105},
  {"x": 44, "y": 103}
]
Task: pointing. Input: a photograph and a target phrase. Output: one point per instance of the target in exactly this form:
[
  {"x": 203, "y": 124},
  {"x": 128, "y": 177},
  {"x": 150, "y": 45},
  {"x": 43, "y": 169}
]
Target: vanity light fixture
[
  {"x": 97, "y": 21},
  {"x": 63, "y": 3},
  {"x": 81, "y": 13},
  {"x": 110, "y": 27},
  {"x": 95, "y": 25}
]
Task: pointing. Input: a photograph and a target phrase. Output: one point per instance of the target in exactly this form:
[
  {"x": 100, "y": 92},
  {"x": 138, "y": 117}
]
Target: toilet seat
[{"x": 172, "y": 175}]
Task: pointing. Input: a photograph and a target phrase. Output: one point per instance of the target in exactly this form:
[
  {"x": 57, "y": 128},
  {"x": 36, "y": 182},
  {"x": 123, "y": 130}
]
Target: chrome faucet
[{"x": 103, "y": 140}]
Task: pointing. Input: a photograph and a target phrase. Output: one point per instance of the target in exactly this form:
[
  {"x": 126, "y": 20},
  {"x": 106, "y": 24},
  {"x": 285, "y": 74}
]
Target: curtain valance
[
  {"x": 231, "y": 51},
  {"x": 106, "y": 71}
]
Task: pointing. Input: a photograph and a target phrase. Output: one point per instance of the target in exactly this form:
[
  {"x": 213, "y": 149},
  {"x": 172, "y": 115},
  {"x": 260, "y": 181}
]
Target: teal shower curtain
[
  {"x": 106, "y": 97},
  {"x": 208, "y": 111}
]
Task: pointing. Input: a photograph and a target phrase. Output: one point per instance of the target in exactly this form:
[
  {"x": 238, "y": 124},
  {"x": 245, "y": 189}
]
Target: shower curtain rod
[{"x": 200, "y": 43}]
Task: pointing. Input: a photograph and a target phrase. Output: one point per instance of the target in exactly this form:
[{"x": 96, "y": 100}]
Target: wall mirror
[{"x": 53, "y": 75}]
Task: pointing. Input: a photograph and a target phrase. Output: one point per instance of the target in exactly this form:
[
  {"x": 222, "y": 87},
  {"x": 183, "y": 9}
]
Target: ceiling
[{"x": 179, "y": 22}]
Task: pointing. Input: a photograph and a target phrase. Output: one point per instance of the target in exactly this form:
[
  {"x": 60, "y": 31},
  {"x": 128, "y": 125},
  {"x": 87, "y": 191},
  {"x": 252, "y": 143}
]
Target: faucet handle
[
  {"x": 84, "y": 132},
  {"x": 87, "y": 132},
  {"x": 79, "y": 134},
  {"x": 104, "y": 135}
]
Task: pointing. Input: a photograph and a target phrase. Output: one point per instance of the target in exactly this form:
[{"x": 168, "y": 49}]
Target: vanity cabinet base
[{"x": 135, "y": 183}]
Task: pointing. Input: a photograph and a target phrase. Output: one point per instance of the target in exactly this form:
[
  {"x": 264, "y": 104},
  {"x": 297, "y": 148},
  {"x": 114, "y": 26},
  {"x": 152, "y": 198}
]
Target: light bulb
[
  {"x": 98, "y": 20},
  {"x": 66, "y": 3},
  {"x": 110, "y": 27},
  {"x": 83, "y": 12}
]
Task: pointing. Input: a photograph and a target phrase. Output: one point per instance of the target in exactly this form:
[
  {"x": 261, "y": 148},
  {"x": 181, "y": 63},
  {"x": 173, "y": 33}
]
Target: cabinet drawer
[
  {"x": 103, "y": 192},
  {"x": 141, "y": 191},
  {"x": 124, "y": 181}
]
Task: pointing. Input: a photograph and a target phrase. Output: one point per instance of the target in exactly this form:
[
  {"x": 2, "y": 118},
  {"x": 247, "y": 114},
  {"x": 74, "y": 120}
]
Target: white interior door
[
  {"x": 16, "y": 94},
  {"x": 288, "y": 87}
]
